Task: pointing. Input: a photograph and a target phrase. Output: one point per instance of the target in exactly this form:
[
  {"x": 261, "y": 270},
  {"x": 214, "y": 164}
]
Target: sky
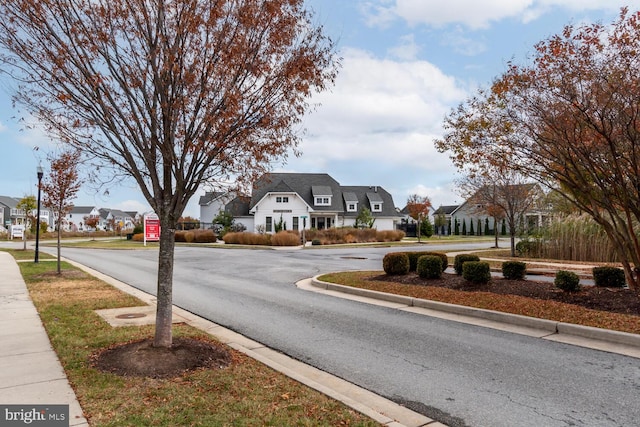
[{"x": 405, "y": 65}]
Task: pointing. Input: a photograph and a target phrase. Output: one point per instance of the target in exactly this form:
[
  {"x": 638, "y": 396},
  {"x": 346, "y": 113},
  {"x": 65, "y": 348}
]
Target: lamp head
[{"x": 40, "y": 172}]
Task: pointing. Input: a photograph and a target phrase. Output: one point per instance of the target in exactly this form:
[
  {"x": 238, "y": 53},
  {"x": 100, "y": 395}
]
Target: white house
[
  {"x": 306, "y": 200},
  {"x": 75, "y": 220},
  {"x": 212, "y": 203}
]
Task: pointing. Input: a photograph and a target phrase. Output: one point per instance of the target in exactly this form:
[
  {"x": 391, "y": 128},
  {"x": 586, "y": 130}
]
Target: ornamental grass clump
[
  {"x": 285, "y": 238},
  {"x": 608, "y": 277},
  {"x": 460, "y": 259},
  {"x": 396, "y": 263},
  {"x": 568, "y": 281},
  {"x": 514, "y": 270},
  {"x": 476, "y": 271},
  {"x": 429, "y": 267}
]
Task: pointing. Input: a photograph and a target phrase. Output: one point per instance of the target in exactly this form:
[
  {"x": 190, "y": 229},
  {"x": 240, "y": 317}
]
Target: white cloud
[
  {"x": 407, "y": 50},
  {"x": 476, "y": 14},
  {"x": 377, "y": 126}
]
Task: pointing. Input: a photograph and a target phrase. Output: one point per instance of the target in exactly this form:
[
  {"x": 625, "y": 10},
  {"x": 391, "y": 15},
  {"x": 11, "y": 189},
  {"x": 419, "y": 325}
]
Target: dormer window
[
  {"x": 350, "y": 201},
  {"x": 282, "y": 199},
  {"x": 322, "y": 195},
  {"x": 375, "y": 201}
]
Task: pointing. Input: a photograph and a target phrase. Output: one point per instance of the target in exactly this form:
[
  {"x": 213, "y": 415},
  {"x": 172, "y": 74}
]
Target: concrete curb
[{"x": 550, "y": 326}]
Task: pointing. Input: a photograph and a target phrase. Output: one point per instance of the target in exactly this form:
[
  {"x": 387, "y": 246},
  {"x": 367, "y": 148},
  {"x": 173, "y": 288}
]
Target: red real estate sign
[{"x": 151, "y": 228}]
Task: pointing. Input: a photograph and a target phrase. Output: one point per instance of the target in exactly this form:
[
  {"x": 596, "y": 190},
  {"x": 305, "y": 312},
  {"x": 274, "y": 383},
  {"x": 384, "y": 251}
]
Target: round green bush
[
  {"x": 608, "y": 277},
  {"x": 396, "y": 263},
  {"x": 413, "y": 259},
  {"x": 476, "y": 271},
  {"x": 460, "y": 259},
  {"x": 568, "y": 281},
  {"x": 514, "y": 270},
  {"x": 429, "y": 267}
]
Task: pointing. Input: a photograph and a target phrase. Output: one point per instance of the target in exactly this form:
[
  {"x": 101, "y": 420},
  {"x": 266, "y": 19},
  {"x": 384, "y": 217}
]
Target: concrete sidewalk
[{"x": 30, "y": 372}]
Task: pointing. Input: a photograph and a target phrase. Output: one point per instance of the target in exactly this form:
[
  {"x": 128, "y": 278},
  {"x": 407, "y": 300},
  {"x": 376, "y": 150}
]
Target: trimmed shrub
[
  {"x": 396, "y": 263},
  {"x": 528, "y": 247},
  {"x": 514, "y": 270},
  {"x": 568, "y": 281},
  {"x": 429, "y": 267},
  {"x": 413, "y": 259},
  {"x": 285, "y": 238},
  {"x": 178, "y": 237},
  {"x": 189, "y": 236},
  {"x": 460, "y": 259},
  {"x": 316, "y": 242},
  {"x": 139, "y": 237},
  {"x": 476, "y": 271},
  {"x": 608, "y": 277}
]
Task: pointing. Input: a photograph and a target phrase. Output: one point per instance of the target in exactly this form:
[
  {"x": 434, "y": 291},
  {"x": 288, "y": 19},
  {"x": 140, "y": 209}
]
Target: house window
[
  {"x": 323, "y": 201},
  {"x": 352, "y": 207},
  {"x": 377, "y": 207},
  {"x": 269, "y": 225},
  {"x": 295, "y": 223},
  {"x": 282, "y": 199}
]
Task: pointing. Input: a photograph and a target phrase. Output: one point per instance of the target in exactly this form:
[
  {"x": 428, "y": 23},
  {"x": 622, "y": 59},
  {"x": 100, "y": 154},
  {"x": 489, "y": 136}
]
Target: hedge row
[{"x": 333, "y": 236}]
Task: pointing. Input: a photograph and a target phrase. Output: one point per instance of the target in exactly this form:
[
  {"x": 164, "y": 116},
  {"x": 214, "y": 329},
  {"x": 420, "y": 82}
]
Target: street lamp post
[{"x": 40, "y": 173}]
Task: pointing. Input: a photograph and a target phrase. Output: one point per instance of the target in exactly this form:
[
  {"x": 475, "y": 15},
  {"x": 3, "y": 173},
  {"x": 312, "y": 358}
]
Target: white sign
[{"x": 17, "y": 231}]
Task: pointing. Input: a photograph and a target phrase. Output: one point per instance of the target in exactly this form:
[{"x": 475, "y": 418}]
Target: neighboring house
[
  {"x": 443, "y": 214},
  {"x": 111, "y": 219},
  {"x": 11, "y": 215},
  {"x": 212, "y": 203},
  {"x": 305, "y": 200},
  {"x": 75, "y": 219},
  {"x": 239, "y": 209},
  {"x": 474, "y": 212}
]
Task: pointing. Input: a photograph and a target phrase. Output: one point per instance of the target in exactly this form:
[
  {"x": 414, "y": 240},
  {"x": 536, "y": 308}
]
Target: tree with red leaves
[
  {"x": 60, "y": 187},
  {"x": 169, "y": 93}
]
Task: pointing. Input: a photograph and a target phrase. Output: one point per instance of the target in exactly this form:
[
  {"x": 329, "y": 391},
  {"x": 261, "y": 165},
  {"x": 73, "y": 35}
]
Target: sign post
[
  {"x": 304, "y": 226},
  {"x": 151, "y": 228}
]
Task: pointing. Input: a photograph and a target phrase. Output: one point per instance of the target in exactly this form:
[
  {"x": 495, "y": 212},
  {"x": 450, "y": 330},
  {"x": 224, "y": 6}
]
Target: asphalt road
[{"x": 459, "y": 374}]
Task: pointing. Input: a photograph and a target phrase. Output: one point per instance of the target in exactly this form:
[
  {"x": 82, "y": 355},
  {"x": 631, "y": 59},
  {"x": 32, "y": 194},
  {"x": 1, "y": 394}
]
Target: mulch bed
[
  {"x": 612, "y": 300},
  {"x": 142, "y": 359}
]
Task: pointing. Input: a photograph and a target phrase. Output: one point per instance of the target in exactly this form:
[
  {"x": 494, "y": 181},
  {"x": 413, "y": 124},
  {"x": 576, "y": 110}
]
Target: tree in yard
[
  {"x": 169, "y": 93},
  {"x": 439, "y": 221},
  {"x": 501, "y": 194},
  {"x": 91, "y": 222},
  {"x": 364, "y": 219},
  {"x": 29, "y": 205},
  {"x": 60, "y": 188},
  {"x": 570, "y": 118},
  {"x": 418, "y": 209}
]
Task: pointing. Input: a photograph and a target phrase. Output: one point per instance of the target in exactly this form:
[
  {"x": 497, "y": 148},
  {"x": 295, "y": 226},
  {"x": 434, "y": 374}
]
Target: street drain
[{"x": 131, "y": 316}]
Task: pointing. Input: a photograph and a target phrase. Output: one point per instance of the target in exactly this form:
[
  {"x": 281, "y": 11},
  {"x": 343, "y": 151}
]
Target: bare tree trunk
[
  {"x": 59, "y": 223},
  {"x": 163, "y": 335}
]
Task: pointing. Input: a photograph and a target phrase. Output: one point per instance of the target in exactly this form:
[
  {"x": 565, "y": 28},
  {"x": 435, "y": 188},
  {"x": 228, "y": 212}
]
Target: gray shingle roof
[
  {"x": 209, "y": 196},
  {"x": 310, "y": 185},
  {"x": 302, "y": 184}
]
